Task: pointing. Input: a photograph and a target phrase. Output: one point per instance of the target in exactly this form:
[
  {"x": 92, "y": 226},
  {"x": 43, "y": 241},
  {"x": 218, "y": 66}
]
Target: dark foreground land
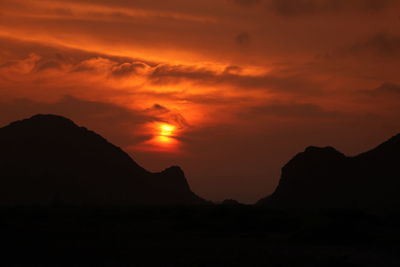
[{"x": 197, "y": 236}]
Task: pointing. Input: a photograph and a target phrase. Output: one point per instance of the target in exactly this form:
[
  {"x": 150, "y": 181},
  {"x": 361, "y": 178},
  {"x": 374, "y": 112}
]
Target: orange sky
[{"x": 242, "y": 84}]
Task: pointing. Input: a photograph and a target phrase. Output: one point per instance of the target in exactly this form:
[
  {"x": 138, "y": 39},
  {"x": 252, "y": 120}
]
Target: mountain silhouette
[
  {"x": 326, "y": 178},
  {"x": 49, "y": 158}
]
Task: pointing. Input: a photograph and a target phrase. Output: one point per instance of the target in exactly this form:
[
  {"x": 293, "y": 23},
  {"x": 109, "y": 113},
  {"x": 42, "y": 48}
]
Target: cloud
[
  {"x": 284, "y": 82},
  {"x": 243, "y": 39},
  {"x": 48, "y": 65},
  {"x": 164, "y": 74},
  {"x": 170, "y": 116},
  {"x": 158, "y": 109},
  {"x": 95, "y": 64},
  {"x": 246, "y": 3},
  {"x": 293, "y": 111},
  {"x": 27, "y": 57},
  {"x": 23, "y": 66},
  {"x": 386, "y": 89},
  {"x": 382, "y": 44},
  {"x": 126, "y": 69},
  {"x": 320, "y": 7},
  {"x": 233, "y": 69}
]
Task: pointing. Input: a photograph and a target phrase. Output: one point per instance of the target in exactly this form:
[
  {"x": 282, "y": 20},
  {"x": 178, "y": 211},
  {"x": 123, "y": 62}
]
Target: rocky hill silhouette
[
  {"x": 49, "y": 158},
  {"x": 326, "y": 178}
]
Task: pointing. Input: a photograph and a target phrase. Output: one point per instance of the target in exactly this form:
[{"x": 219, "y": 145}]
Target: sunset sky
[{"x": 229, "y": 90}]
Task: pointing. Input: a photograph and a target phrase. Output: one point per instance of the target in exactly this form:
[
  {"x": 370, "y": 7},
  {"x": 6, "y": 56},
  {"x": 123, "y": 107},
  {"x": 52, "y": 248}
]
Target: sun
[
  {"x": 167, "y": 130},
  {"x": 164, "y": 138}
]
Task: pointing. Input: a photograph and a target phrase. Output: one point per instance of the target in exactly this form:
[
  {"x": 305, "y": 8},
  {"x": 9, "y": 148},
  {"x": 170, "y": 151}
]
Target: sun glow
[
  {"x": 167, "y": 130},
  {"x": 165, "y": 135},
  {"x": 164, "y": 139}
]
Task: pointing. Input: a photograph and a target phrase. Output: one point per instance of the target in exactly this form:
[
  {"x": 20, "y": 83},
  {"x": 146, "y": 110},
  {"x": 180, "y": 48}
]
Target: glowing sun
[
  {"x": 164, "y": 138},
  {"x": 167, "y": 129}
]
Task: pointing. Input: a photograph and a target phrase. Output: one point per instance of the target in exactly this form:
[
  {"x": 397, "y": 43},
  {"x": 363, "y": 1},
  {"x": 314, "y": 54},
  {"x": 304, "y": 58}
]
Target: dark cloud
[
  {"x": 164, "y": 74},
  {"x": 215, "y": 99},
  {"x": 37, "y": 63},
  {"x": 168, "y": 115},
  {"x": 126, "y": 69},
  {"x": 89, "y": 65},
  {"x": 53, "y": 61},
  {"x": 243, "y": 39},
  {"x": 293, "y": 110},
  {"x": 233, "y": 69},
  {"x": 180, "y": 120},
  {"x": 47, "y": 65},
  {"x": 7, "y": 64},
  {"x": 298, "y": 7},
  {"x": 14, "y": 50},
  {"x": 246, "y": 2},
  {"x": 159, "y": 109},
  {"x": 318, "y": 7},
  {"x": 383, "y": 44},
  {"x": 386, "y": 89},
  {"x": 283, "y": 82}
]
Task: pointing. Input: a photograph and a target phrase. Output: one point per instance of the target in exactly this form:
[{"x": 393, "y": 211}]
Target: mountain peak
[
  {"x": 45, "y": 120},
  {"x": 174, "y": 170},
  {"x": 316, "y": 154},
  {"x": 321, "y": 150},
  {"x": 49, "y": 117},
  {"x": 324, "y": 177},
  {"x": 49, "y": 155},
  {"x": 175, "y": 175}
]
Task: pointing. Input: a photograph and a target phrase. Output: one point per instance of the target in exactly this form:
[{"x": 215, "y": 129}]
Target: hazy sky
[{"x": 229, "y": 90}]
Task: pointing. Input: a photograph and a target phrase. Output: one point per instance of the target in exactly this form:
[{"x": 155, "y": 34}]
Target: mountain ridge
[
  {"x": 326, "y": 178},
  {"x": 52, "y": 155}
]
